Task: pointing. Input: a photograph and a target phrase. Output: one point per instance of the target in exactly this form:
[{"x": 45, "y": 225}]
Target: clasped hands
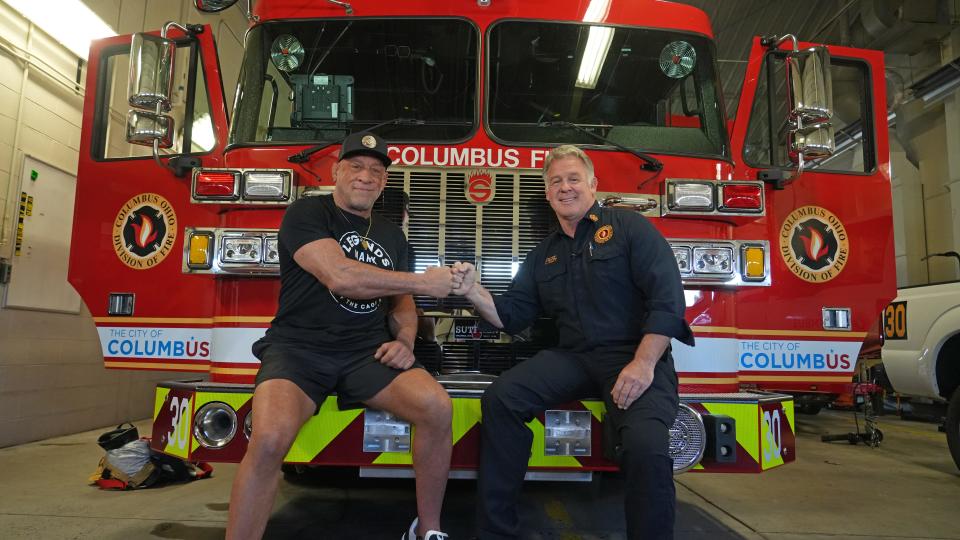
[{"x": 441, "y": 281}]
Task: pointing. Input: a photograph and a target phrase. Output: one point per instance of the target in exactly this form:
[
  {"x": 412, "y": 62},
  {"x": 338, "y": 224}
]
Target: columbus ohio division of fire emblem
[
  {"x": 814, "y": 244},
  {"x": 144, "y": 231}
]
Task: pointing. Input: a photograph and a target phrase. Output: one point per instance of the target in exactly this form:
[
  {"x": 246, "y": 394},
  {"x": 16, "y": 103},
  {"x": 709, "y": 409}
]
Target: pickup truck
[{"x": 921, "y": 348}]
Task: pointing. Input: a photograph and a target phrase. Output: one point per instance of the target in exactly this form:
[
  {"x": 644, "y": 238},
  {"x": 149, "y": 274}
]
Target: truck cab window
[
  {"x": 318, "y": 80},
  {"x": 854, "y": 131},
  {"x": 193, "y": 127},
  {"x": 653, "y": 90}
]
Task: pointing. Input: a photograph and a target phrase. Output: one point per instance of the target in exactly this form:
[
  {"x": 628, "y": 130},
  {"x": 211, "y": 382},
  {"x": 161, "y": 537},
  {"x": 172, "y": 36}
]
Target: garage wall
[
  {"x": 926, "y": 192},
  {"x": 52, "y": 379}
]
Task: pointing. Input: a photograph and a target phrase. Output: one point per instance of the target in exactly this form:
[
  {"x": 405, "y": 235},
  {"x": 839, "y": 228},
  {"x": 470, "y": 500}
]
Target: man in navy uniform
[
  {"x": 346, "y": 323},
  {"x": 611, "y": 284}
]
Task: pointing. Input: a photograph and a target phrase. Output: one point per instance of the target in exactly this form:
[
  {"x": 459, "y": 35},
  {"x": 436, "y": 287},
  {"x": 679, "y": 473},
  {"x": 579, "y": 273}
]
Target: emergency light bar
[
  {"x": 231, "y": 251},
  {"x": 242, "y": 186},
  {"x": 701, "y": 197},
  {"x": 729, "y": 263}
]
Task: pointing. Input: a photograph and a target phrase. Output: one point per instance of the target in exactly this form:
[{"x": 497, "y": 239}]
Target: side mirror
[
  {"x": 810, "y": 104},
  {"x": 150, "y": 83},
  {"x": 213, "y": 6},
  {"x": 812, "y": 142},
  {"x": 810, "y": 85},
  {"x": 145, "y": 128}
]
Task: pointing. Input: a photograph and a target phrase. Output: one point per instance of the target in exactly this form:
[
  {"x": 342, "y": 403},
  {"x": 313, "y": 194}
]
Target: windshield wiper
[
  {"x": 304, "y": 155},
  {"x": 650, "y": 163}
]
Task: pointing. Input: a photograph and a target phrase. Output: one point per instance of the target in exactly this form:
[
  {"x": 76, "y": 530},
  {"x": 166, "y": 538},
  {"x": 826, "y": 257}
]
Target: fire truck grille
[
  {"x": 487, "y": 358},
  {"x": 445, "y": 227}
]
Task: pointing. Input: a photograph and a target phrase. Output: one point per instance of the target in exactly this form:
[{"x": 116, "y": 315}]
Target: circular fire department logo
[
  {"x": 480, "y": 188},
  {"x": 603, "y": 234},
  {"x": 813, "y": 244},
  {"x": 145, "y": 231}
]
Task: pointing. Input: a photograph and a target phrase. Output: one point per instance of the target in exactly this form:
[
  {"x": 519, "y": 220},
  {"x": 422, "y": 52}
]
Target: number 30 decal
[
  {"x": 772, "y": 445},
  {"x": 180, "y": 426},
  {"x": 895, "y": 321}
]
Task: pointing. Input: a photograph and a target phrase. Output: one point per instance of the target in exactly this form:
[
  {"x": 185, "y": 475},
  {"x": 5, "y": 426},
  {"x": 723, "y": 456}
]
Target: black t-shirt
[{"x": 309, "y": 312}]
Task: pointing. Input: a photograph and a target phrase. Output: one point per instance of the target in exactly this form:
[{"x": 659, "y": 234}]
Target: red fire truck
[{"x": 778, "y": 211}]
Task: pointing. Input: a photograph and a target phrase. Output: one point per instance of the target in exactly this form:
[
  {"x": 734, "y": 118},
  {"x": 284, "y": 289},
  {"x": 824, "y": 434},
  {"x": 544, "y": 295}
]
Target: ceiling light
[{"x": 74, "y": 25}]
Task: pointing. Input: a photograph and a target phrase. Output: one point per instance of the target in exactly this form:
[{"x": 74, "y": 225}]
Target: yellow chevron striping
[
  {"x": 596, "y": 407},
  {"x": 466, "y": 414},
  {"x": 320, "y": 430},
  {"x": 396, "y": 458},
  {"x": 788, "y": 411},
  {"x": 538, "y": 459}
]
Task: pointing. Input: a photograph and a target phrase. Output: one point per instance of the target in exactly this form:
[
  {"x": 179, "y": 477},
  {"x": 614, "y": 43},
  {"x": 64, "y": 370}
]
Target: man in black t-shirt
[{"x": 346, "y": 323}]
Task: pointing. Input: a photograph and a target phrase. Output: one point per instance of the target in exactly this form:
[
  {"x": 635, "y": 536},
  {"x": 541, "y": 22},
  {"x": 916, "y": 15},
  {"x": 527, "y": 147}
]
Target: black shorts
[{"x": 355, "y": 376}]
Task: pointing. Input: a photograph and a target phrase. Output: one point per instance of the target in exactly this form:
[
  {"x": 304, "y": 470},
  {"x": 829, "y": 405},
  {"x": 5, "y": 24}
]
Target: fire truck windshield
[
  {"x": 649, "y": 90},
  {"x": 318, "y": 80}
]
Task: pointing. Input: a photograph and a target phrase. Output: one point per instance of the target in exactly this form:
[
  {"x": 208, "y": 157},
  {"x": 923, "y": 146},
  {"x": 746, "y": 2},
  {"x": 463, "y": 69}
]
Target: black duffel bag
[{"x": 115, "y": 438}]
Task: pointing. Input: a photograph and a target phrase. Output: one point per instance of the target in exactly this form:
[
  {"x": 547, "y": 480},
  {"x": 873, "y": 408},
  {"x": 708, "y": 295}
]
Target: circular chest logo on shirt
[
  {"x": 144, "y": 231},
  {"x": 814, "y": 244},
  {"x": 603, "y": 234},
  {"x": 367, "y": 251},
  {"x": 480, "y": 188}
]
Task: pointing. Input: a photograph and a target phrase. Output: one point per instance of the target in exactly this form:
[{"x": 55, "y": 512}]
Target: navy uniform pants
[{"x": 552, "y": 378}]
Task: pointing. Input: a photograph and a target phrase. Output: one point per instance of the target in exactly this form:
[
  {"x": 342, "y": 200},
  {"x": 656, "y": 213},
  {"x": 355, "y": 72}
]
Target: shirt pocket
[
  {"x": 609, "y": 267},
  {"x": 551, "y": 284}
]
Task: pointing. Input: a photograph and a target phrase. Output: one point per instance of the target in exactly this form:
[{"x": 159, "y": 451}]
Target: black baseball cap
[{"x": 365, "y": 143}]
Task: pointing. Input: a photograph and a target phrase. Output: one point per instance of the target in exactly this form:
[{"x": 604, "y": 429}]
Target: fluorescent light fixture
[
  {"x": 594, "y": 54},
  {"x": 597, "y": 11},
  {"x": 73, "y": 24}
]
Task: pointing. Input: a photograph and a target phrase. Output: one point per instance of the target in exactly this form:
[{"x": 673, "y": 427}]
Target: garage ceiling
[{"x": 736, "y": 22}]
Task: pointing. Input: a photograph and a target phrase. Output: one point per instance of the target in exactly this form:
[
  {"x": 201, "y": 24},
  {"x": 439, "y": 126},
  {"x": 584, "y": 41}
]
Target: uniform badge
[
  {"x": 604, "y": 234},
  {"x": 550, "y": 260},
  {"x": 368, "y": 141},
  {"x": 593, "y": 218}
]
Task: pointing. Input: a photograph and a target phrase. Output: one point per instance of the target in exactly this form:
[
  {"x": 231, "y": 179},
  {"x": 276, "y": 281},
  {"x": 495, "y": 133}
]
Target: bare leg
[
  {"x": 281, "y": 409},
  {"x": 418, "y": 398}
]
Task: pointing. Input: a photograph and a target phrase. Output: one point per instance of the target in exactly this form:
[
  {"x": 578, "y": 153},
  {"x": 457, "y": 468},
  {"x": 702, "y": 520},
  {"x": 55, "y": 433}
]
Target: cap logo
[
  {"x": 550, "y": 260},
  {"x": 368, "y": 141}
]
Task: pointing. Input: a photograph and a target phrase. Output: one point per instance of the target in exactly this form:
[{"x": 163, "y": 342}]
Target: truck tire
[{"x": 953, "y": 426}]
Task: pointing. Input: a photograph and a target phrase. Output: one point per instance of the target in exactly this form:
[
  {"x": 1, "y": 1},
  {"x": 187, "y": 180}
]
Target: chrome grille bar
[{"x": 444, "y": 227}]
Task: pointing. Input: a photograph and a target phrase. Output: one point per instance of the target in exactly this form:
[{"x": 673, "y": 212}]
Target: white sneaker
[{"x": 431, "y": 535}]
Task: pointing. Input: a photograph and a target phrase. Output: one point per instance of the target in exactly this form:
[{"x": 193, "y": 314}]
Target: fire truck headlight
[
  {"x": 214, "y": 425},
  {"x": 682, "y": 255},
  {"x": 754, "y": 263},
  {"x": 693, "y": 196},
  {"x": 271, "y": 250},
  {"x": 266, "y": 185},
  {"x": 241, "y": 250},
  {"x": 688, "y": 439},
  {"x": 201, "y": 255},
  {"x": 713, "y": 260}
]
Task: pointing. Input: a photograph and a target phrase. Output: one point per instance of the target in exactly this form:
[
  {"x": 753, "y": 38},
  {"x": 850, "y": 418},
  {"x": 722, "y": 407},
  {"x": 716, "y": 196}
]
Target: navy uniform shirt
[{"x": 611, "y": 284}]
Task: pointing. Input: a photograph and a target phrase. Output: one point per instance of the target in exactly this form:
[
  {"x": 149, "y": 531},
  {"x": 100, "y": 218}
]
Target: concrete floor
[{"x": 907, "y": 488}]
